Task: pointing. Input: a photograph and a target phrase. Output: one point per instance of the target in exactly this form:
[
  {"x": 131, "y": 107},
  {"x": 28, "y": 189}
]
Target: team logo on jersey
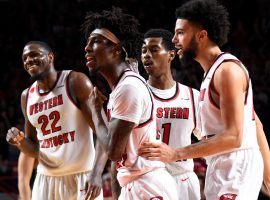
[
  {"x": 185, "y": 98},
  {"x": 157, "y": 198},
  {"x": 184, "y": 179},
  {"x": 32, "y": 90},
  {"x": 228, "y": 197},
  {"x": 121, "y": 163}
]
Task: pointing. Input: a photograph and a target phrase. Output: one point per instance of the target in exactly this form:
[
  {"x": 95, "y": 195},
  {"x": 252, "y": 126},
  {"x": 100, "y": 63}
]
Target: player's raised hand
[{"x": 14, "y": 136}]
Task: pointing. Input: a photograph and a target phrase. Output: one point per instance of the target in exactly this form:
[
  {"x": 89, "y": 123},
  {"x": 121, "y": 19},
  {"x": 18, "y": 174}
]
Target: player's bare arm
[
  {"x": 230, "y": 83},
  {"x": 94, "y": 183},
  {"x": 27, "y": 141},
  {"x": 80, "y": 88},
  {"x": 116, "y": 188},
  {"x": 118, "y": 132},
  {"x": 25, "y": 169},
  {"x": 264, "y": 148}
]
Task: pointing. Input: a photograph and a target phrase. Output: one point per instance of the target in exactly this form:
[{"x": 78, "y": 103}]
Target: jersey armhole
[{"x": 74, "y": 101}]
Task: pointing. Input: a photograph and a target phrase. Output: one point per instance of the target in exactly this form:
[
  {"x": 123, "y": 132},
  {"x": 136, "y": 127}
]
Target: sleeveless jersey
[
  {"x": 65, "y": 138},
  {"x": 176, "y": 120},
  {"x": 210, "y": 120},
  {"x": 142, "y": 114}
]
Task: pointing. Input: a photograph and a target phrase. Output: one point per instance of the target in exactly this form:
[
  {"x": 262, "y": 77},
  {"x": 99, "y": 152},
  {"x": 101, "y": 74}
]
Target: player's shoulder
[
  {"x": 187, "y": 88},
  {"x": 77, "y": 75},
  {"x": 25, "y": 92},
  {"x": 230, "y": 70},
  {"x": 78, "y": 78},
  {"x": 135, "y": 81}
]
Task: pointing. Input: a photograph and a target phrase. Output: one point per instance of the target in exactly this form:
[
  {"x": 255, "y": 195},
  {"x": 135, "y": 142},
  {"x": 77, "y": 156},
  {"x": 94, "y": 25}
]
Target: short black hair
[
  {"x": 122, "y": 25},
  {"x": 41, "y": 43},
  {"x": 166, "y": 36},
  {"x": 210, "y": 15}
]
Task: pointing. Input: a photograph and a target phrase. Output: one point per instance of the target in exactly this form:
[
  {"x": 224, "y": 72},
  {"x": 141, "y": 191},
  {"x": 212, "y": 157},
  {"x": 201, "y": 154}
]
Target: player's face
[
  {"x": 98, "y": 52},
  {"x": 36, "y": 60},
  {"x": 184, "y": 40},
  {"x": 155, "y": 58}
]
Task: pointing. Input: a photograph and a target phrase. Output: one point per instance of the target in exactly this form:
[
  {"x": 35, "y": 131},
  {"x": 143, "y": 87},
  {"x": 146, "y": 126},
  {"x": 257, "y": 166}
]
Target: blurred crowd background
[{"x": 58, "y": 23}]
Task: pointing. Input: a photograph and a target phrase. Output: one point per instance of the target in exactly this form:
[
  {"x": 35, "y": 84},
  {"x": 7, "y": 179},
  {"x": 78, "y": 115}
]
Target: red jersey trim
[
  {"x": 45, "y": 93},
  {"x": 209, "y": 93},
  {"x": 193, "y": 107},
  {"x": 213, "y": 64},
  {"x": 121, "y": 75},
  {"x": 176, "y": 94}
]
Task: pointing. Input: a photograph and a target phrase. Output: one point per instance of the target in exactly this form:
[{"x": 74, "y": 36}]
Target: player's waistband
[{"x": 254, "y": 148}]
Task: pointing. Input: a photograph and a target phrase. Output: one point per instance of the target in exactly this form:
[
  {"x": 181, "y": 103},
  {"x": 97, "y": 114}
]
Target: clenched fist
[{"x": 14, "y": 136}]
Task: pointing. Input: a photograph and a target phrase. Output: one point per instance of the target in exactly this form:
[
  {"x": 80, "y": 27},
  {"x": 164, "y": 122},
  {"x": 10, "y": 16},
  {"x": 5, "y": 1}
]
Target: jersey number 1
[{"x": 166, "y": 132}]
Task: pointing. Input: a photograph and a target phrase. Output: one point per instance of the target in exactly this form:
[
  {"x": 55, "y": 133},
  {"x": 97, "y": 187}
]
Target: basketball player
[
  {"x": 113, "y": 38},
  {"x": 57, "y": 129},
  {"x": 176, "y": 107},
  {"x": 226, "y": 116}
]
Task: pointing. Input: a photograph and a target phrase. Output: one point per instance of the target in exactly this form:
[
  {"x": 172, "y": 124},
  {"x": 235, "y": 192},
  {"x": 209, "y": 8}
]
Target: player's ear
[
  {"x": 201, "y": 35},
  {"x": 51, "y": 56},
  {"x": 117, "y": 48},
  {"x": 172, "y": 54}
]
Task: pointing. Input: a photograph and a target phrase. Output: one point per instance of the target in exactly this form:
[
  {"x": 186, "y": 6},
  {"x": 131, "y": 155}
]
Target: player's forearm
[
  {"x": 24, "y": 189},
  {"x": 100, "y": 160},
  {"x": 29, "y": 148},
  {"x": 214, "y": 145},
  {"x": 116, "y": 189},
  {"x": 101, "y": 131}
]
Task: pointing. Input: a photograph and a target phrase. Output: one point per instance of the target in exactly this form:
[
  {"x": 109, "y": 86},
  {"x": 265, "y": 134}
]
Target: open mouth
[
  {"x": 89, "y": 61},
  {"x": 89, "y": 58},
  {"x": 32, "y": 67},
  {"x": 147, "y": 63}
]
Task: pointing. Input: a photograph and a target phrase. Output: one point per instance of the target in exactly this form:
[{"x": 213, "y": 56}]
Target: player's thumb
[{"x": 20, "y": 136}]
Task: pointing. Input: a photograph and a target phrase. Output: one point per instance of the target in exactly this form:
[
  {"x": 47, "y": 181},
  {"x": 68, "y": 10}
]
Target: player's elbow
[
  {"x": 237, "y": 139},
  {"x": 266, "y": 180}
]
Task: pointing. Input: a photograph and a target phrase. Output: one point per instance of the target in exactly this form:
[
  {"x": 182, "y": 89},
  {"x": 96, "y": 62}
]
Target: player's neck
[
  {"x": 113, "y": 75},
  {"x": 207, "y": 57},
  {"x": 46, "y": 83},
  {"x": 163, "y": 82}
]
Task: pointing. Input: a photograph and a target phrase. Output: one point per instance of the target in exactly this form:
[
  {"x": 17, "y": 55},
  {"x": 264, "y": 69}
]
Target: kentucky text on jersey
[
  {"x": 45, "y": 105},
  {"x": 179, "y": 113},
  {"x": 57, "y": 140}
]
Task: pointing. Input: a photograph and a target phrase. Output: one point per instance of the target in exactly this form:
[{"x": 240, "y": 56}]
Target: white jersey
[
  {"x": 131, "y": 100},
  {"x": 210, "y": 120},
  {"x": 65, "y": 138},
  {"x": 176, "y": 119}
]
